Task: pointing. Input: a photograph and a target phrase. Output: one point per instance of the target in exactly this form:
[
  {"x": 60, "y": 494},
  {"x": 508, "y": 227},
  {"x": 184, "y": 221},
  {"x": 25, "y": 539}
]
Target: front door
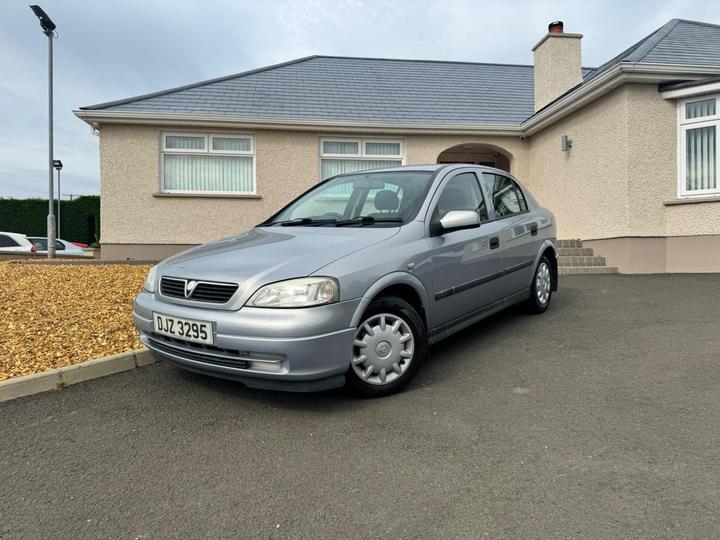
[{"x": 467, "y": 264}]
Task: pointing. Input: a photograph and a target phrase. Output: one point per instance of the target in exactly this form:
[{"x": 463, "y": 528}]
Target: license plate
[{"x": 187, "y": 329}]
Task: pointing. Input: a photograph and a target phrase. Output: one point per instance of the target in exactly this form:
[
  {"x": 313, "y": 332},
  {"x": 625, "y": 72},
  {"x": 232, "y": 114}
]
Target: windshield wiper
[
  {"x": 366, "y": 220},
  {"x": 303, "y": 221}
]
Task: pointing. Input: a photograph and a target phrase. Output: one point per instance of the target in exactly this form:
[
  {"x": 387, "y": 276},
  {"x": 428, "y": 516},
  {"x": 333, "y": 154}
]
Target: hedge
[{"x": 79, "y": 218}]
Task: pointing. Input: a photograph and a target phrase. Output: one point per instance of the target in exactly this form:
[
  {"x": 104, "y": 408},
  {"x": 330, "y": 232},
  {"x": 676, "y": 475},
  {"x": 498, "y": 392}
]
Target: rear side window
[
  {"x": 6, "y": 241},
  {"x": 507, "y": 197},
  {"x": 462, "y": 192}
]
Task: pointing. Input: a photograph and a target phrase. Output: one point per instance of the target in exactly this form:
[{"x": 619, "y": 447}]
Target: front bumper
[{"x": 280, "y": 349}]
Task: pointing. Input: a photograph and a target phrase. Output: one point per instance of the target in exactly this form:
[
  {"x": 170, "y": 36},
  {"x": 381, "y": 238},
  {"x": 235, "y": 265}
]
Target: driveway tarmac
[{"x": 600, "y": 418}]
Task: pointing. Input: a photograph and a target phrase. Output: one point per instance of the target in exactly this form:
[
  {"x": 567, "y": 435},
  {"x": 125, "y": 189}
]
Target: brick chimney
[{"x": 557, "y": 64}]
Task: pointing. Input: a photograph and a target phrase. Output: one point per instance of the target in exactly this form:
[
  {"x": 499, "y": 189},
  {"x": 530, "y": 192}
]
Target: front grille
[
  {"x": 204, "y": 291},
  {"x": 197, "y": 351}
]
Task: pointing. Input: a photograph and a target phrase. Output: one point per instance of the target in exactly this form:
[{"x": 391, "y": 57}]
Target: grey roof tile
[{"x": 403, "y": 91}]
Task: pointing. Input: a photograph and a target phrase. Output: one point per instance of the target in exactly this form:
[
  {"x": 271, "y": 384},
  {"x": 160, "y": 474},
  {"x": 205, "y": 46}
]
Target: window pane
[
  {"x": 231, "y": 144},
  {"x": 461, "y": 193},
  {"x": 506, "y": 195},
  {"x": 208, "y": 173},
  {"x": 382, "y": 149},
  {"x": 337, "y": 147},
  {"x": 696, "y": 109},
  {"x": 331, "y": 167},
  {"x": 700, "y": 158},
  {"x": 175, "y": 142},
  {"x": 6, "y": 241}
]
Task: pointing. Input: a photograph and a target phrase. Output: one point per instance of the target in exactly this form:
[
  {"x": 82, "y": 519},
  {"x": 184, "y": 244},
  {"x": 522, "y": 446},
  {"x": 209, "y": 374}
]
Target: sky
[{"x": 112, "y": 49}]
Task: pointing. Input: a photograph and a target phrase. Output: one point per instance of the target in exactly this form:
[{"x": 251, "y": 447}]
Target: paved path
[{"x": 600, "y": 418}]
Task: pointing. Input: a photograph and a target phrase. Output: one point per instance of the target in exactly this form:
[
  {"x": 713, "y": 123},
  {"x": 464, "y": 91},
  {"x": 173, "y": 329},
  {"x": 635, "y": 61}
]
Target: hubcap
[
  {"x": 543, "y": 283},
  {"x": 383, "y": 349}
]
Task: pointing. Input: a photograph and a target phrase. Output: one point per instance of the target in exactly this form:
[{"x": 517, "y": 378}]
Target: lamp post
[
  {"x": 48, "y": 28},
  {"x": 58, "y": 167}
]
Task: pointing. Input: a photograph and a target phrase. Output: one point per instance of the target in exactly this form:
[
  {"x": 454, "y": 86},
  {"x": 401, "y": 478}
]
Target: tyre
[
  {"x": 541, "y": 288},
  {"x": 389, "y": 346}
]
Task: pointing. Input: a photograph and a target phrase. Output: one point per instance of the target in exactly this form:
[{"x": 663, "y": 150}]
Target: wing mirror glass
[{"x": 459, "y": 219}]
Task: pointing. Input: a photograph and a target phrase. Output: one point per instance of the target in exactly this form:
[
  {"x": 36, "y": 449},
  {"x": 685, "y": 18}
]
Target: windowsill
[
  {"x": 693, "y": 200},
  {"x": 206, "y": 195}
]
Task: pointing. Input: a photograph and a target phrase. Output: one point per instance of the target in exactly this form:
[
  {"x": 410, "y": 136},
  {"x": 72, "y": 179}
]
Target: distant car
[
  {"x": 62, "y": 247},
  {"x": 15, "y": 243}
]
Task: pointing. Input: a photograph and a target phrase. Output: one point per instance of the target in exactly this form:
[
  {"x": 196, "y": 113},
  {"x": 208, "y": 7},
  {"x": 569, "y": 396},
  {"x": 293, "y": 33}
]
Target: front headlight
[
  {"x": 296, "y": 293},
  {"x": 150, "y": 280}
]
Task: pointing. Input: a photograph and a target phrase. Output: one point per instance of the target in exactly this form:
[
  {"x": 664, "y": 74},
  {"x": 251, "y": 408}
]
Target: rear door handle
[
  {"x": 533, "y": 229},
  {"x": 494, "y": 242}
]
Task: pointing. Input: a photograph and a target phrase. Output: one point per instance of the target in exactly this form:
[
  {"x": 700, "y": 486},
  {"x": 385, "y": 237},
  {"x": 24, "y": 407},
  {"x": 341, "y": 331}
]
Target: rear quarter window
[{"x": 6, "y": 241}]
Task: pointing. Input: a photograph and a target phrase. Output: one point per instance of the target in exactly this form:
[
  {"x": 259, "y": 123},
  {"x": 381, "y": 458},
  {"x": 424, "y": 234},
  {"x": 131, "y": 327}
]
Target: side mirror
[{"x": 459, "y": 219}]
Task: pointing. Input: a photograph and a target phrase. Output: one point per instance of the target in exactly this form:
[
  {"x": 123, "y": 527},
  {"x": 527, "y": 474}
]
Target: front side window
[
  {"x": 462, "y": 192},
  {"x": 507, "y": 197},
  {"x": 359, "y": 199},
  {"x": 698, "y": 148},
  {"x": 208, "y": 163},
  {"x": 342, "y": 156}
]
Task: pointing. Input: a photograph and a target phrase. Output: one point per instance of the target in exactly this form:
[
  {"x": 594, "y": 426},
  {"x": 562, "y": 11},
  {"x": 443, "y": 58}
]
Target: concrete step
[
  {"x": 569, "y": 270},
  {"x": 569, "y": 252},
  {"x": 569, "y": 243},
  {"x": 581, "y": 260}
]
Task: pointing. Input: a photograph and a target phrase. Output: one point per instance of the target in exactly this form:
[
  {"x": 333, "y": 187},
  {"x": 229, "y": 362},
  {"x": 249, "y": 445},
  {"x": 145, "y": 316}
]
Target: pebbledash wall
[
  {"x": 616, "y": 188},
  {"x": 139, "y": 222}
]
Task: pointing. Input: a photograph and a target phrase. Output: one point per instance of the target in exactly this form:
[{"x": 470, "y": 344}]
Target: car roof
[{"x": 13, "y": 234}]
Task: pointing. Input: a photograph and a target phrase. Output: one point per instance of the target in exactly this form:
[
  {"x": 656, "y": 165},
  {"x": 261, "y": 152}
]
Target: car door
[
  {"x": 519, "y": 231},
  {"x": 466, "y": 263}
]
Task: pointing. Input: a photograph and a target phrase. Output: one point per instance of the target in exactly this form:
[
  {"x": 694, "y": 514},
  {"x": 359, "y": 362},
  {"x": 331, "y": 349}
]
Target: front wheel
[
  {"x": 541, "y": 289},
  {"x": 389, "y": 346}
]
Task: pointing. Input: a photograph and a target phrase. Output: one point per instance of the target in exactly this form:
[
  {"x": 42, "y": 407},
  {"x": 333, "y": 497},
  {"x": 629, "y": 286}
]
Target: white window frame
[
  {"x": 362, "y": 155},
  {"x": 208, "y": 136},
  {"x": 692, "y": 123}
]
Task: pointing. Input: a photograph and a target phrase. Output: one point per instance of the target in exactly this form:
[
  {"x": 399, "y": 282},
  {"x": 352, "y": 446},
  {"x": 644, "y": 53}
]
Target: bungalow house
[{"x": 625, "y": 154}]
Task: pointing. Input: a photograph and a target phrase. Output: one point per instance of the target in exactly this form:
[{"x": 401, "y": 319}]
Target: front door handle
[
  {"x": 494, "y": 242},
  {"x": 533, "y": 229}
]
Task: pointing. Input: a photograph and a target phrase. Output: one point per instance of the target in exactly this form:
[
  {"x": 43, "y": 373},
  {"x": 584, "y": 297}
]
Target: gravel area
[{"x": 58, "y": 315}]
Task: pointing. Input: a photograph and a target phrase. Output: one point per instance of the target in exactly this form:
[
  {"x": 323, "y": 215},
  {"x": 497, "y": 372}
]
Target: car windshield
[{"x": 371, "y": 199}]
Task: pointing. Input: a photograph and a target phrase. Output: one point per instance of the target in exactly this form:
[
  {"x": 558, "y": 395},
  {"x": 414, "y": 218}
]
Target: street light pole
[{"x": 48, "y": 28}]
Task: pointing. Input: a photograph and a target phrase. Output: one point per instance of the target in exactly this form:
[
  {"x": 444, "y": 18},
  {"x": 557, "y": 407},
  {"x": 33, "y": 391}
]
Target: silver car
[{"x": 350, "y": 282}]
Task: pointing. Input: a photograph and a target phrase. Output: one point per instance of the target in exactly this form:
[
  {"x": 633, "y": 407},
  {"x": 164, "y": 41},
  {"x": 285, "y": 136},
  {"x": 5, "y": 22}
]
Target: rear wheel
[
  {"x": 541, "y": 289},
  {"x": 389, "y": 346}
]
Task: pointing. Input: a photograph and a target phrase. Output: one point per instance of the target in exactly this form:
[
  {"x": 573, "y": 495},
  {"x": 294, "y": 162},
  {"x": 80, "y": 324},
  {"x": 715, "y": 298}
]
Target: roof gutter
[{"x": 95, "y": 118}]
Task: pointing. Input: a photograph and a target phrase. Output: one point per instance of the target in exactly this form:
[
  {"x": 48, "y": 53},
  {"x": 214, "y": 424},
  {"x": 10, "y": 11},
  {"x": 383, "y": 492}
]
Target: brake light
[{"x": 32, "y": 249}]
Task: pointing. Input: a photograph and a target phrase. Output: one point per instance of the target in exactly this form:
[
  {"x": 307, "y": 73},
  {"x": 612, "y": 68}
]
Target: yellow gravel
[{"x": 57, "y": 315}]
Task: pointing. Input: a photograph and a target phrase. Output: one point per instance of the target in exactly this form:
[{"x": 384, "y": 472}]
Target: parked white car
[
  {"x": 15, "y": 243},
  {"x": 62, "y": 247}
]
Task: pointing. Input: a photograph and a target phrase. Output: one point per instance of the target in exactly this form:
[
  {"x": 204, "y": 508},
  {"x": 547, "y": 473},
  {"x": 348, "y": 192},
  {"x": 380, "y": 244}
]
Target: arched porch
[{"x": 476, "y": 154}]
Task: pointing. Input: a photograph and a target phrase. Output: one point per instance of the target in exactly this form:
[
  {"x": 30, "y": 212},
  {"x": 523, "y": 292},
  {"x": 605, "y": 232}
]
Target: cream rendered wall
[
  {"x": 652, "y": 163},
  {"x": 586, "y": 188},
  {"x": 129, "y": 171},
  {"x": 287, "y": 164},
  {"x": 621, "y": 169}
]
